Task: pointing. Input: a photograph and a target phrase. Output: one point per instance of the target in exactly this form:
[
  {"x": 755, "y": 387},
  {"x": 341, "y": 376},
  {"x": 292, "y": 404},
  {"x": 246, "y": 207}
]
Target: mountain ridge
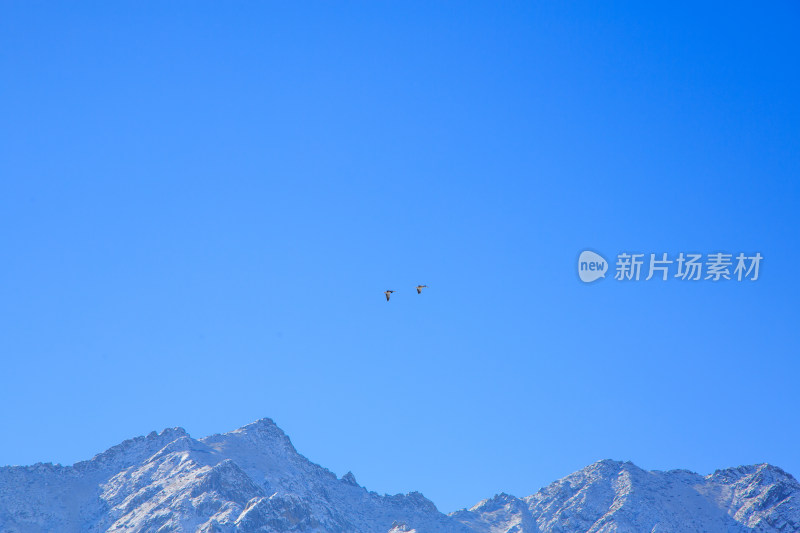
[{"x": 252, "y": 479}]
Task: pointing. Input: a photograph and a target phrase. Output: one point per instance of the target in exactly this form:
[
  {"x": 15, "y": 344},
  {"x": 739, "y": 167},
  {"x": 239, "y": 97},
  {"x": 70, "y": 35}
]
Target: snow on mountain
[
  {"x": 620, "y": 497},
  {"x": 253, "y": 480},
  {"x": 248, "y": 480}
]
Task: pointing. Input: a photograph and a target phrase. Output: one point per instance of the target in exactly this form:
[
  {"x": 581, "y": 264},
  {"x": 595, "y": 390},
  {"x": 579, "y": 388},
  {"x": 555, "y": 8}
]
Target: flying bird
[
  {"x": 388, "y": 293},
  {"x": 420, "y": 287}
]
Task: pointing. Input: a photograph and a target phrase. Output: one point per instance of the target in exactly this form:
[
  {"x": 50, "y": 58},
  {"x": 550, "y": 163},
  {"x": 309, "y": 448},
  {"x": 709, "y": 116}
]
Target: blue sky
[{"x": 202, "y": 204}]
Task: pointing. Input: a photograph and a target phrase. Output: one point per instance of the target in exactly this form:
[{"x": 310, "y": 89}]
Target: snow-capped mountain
[
  {"x": 253, "y": 480},
  {"x": 613, "y": 496}
]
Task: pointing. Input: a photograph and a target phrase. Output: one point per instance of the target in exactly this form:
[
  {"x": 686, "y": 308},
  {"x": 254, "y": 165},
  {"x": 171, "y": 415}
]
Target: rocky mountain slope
[
  {"x": 613, "y": 496},
  {"x": 253, "y": 480}
]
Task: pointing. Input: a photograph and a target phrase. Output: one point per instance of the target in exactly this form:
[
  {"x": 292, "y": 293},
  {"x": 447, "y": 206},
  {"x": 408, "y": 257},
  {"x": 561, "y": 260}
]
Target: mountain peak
[
  {"x": 263, "y": 435},
  {"x": 252, "y": 479},
  {"x": 168, "y": 433},
  {"x": 350, "y": 479},
  {"x": 133, "y": 450},
  {"x": 762, "y": 473},
  {"x": 265, "y": 422},
  {"x": 264, "y": 429}
]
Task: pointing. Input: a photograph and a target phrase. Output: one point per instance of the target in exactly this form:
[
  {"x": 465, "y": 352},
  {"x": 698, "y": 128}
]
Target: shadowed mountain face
[{"x": 253, "y": 480}]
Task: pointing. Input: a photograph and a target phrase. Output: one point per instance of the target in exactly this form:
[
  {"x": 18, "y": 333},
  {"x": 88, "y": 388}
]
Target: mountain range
[{"x": 253, "y": 480}]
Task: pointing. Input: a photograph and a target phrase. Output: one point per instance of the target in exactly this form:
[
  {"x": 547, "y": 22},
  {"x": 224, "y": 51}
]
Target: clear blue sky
[{"x": 202, "y": 203}]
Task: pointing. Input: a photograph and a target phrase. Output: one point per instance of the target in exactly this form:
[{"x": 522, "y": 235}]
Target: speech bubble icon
[{"x": 591, "y": 266}]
